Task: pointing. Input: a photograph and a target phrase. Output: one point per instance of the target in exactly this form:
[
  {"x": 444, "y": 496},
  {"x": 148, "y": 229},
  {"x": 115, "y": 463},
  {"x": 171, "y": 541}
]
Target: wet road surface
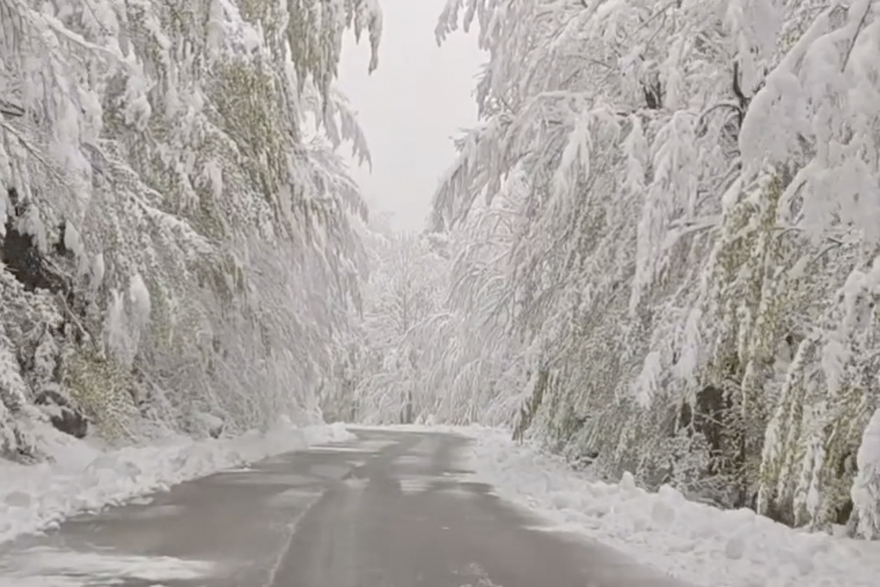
[{"x": 389, "y": 509}]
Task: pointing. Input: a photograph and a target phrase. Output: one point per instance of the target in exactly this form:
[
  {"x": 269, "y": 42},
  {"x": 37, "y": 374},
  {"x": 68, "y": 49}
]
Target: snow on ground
[
  {"x": 82, "y": 569},
  {"x": 84, "y": 478},
  {"x": 694, "y": 542}
]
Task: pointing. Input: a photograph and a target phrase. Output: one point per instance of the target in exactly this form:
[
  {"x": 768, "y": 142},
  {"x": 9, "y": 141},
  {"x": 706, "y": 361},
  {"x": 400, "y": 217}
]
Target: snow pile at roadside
[
  {"x": 83, "y": 478},
  {"x": 691, "y": 541}
]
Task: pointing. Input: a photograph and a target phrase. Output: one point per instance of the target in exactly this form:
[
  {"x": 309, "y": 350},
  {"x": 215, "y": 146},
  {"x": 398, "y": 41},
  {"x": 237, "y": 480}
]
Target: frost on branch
[
  {"x": 177, "y": 250},
  {"x": 689, "y": 194}
]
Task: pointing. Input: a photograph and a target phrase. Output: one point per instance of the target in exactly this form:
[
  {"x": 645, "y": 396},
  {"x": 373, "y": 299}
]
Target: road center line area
[{"x": 386, "y": 509}]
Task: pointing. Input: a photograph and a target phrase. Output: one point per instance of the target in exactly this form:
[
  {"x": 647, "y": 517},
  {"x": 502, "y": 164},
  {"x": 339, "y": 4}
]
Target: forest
[
  {"x": 170, "y": 180},
  {"x": 661, "y": 251},
  {"x": 657, "y": 253}
]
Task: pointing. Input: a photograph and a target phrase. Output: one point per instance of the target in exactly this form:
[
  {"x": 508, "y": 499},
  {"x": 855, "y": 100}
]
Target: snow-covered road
[
  {"x": 389, "y": 508},
  {"x": 398, "y": 486}
]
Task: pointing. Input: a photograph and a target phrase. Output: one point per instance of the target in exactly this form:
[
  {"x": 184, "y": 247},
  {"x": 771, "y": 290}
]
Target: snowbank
[
  {"x": 691, "y": 541},
  {"x": 84, "y": 478}
]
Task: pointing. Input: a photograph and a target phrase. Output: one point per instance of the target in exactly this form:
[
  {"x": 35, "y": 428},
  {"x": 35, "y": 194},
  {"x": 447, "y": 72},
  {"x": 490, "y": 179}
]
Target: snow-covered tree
[
  {"x": 177, "y": 236},
  {"x": 479, "y": 366},
  {"x": 402, "y": 295},
  {"x": 690, "y": 283}
]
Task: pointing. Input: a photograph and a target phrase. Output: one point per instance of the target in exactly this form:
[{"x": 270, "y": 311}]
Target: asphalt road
[{"x": 389, "y": 509}]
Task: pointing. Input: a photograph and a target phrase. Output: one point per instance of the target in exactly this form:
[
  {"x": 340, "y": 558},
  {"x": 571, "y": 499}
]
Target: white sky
[{"x": 410, "y": 107}]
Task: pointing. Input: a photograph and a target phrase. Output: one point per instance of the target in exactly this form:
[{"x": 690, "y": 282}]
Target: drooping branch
[{"x": 8, "y": 108}]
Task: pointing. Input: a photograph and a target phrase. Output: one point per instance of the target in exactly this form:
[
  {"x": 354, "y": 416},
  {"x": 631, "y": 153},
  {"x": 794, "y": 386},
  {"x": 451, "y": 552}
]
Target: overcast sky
[{"x": 411, "y": 106}]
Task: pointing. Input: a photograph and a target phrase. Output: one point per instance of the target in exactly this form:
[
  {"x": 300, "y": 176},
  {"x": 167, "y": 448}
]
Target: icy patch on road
[
  {"x": 364, "y": 446},
  {"x": 417, "y": 428},
  {"x": 427, "y": 445},
  {"x": 691, "y": 541},
  {"x": 358, "y": 484},
  {"x": 58, "y": 568},
  {"x": 147, "y": 513},
  {"x": 84, "y": 478},
  {"x": 265, "y": 478},
  {"x": 299, "y": 496},
  {"x": 412, "y": 485},
  {"x": 330, "y": 471},
  {"x": 405, "y": 460}
]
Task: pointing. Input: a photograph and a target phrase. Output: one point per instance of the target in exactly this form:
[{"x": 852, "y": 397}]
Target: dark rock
[{"x": 63, "y": 415}]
